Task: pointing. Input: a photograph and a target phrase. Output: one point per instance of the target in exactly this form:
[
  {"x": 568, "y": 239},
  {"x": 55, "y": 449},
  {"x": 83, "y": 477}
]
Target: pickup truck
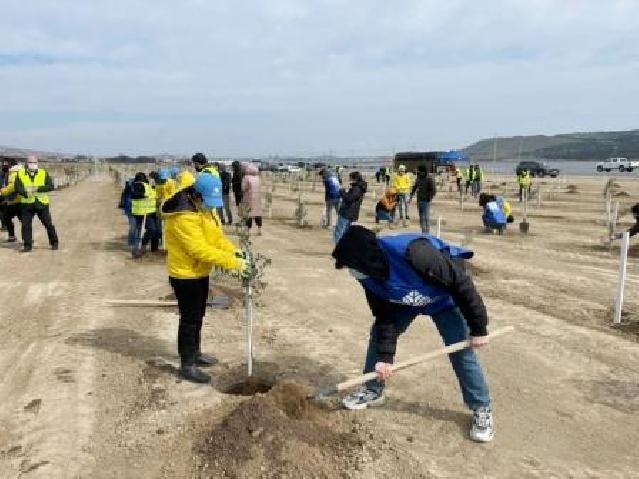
[
  {"x": 536, "y": 169},
  {"x": 619, "y": 164}
]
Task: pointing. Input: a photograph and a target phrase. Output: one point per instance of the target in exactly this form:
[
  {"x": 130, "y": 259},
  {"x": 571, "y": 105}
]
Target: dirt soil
[{"x": 90, "y": 390}]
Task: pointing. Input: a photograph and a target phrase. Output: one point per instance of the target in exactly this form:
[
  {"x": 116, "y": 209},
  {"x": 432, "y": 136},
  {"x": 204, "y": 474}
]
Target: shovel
[{"x": 453, "y": 348}]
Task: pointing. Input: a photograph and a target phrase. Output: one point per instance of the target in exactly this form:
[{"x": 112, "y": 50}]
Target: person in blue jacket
[
  {"x": 404, "y": 276},
  {"x": 125, "y": 206},
  {"x": 494, "y": 215},
  {"x": 331, "y": 194}
]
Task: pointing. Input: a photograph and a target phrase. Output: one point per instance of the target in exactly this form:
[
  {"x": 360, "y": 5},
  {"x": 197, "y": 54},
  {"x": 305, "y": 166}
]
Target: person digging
[{"x": 404, "y": 276}]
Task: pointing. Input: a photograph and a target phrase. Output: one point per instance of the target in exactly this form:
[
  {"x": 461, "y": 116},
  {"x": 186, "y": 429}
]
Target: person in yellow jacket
[
  {"x": 32, "y": 185},
  {"x": 196, "y": 243},
  {"x": 10, "y": 200},
  {"x": 402, "y": 185}
]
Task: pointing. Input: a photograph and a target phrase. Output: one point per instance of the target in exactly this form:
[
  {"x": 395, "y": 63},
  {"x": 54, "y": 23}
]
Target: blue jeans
[
  {"x": 452, "y": 328},
  {"x": 424, "y": 215},
  {"x": 151, "y": 231},
  {"x": 402, "y": 203},
  {"x": 132, "y": 238},
  {"x": 340, "y": 228}
]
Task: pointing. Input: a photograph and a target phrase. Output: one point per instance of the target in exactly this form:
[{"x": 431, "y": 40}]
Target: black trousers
[
  {"x": 8, "y": 213},
  {"x": 191, "y": 296},
  {"x": 258, "y": 221},
  {"x": 27, "y": 212}
]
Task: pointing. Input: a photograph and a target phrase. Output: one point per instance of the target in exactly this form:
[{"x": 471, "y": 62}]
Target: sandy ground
[{"x": 90, "y": 391}]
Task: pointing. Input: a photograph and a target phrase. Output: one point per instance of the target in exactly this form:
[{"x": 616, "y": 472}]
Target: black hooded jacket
[
  {"x": 424, "y": 187},
  {"x": 358, "y": 249},
  {"x": 352, "y": 200}
]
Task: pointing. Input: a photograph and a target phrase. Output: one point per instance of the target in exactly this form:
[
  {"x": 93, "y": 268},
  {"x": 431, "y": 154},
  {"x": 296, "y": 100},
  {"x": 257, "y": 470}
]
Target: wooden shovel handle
[{"x": 419, "y": 359}]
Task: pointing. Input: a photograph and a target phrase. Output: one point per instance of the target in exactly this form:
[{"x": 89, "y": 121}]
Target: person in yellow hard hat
[
  {"x": 32, "y": 184},
  {"x": 402, "y": 184},
  {"x": 195, "y": 244}
]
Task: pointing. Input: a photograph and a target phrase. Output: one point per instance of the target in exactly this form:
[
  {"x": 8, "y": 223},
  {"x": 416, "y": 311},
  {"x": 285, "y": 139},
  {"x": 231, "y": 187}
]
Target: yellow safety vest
[
  {"x": 31, "y": 187},
  {"x": 524, "y": 179},
  {"x": 210, "y": 169},
  {"x": 9, "y": 191},
  {"x": 146, "y": 205},
  {"x": 458, "y": 172}
]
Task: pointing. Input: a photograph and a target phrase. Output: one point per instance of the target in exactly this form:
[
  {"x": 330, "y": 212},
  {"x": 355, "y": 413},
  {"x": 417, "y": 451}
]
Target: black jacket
[
  {"x": 424, "y": 187},
  {"x": 439, "y": 269},
  {"x": 352, "y": 200}
]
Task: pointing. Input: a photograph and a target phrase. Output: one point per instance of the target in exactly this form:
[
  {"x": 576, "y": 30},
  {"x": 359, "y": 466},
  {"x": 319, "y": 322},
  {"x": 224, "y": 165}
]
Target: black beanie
[
  {"x": 199, "y": 158},
  {"x": 358, "y": 249}
]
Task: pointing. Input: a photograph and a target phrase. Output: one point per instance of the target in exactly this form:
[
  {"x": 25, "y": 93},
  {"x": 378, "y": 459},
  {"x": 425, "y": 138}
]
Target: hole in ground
[{"x": 250, "y": 387}]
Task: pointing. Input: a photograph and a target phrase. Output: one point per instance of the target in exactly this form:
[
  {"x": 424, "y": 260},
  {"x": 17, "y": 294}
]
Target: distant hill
[{"x": 571, "y": 146}]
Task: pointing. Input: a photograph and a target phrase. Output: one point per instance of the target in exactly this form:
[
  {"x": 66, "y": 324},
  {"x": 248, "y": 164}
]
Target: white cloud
[{"x": 289, "y": 75}]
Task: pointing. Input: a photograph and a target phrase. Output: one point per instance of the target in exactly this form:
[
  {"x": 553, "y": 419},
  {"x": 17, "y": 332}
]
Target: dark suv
[{"x": 537, "y": 169}]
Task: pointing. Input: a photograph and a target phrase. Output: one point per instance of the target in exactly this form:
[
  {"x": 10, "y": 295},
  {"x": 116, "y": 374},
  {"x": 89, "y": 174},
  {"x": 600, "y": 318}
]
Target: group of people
[
  {"x": 401, "y": 195},
  {"x": 474, "y": 178},
  {"x": 403, "y": 276},
  {"x": 24, "y": 193},
  {"x": 143, "y": 196}
]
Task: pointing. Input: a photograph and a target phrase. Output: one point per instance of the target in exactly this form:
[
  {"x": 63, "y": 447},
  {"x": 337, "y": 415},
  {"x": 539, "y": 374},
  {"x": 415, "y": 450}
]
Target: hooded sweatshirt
[
  {"x": 352, "y": 200},
  {"x": 424, "y": 187},
  {"x": 251, "y": 194}
]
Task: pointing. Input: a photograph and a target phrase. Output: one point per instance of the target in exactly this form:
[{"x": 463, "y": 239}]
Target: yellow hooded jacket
[
  {"x": 195, "y": 240},
  {"x": 402, "y": 183}
]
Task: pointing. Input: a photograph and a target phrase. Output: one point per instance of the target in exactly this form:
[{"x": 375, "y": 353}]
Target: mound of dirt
[
  {"x": 280, "y": 434},
  {"x": 620, "y": 194},
  {"x": 571, "y": 189}
]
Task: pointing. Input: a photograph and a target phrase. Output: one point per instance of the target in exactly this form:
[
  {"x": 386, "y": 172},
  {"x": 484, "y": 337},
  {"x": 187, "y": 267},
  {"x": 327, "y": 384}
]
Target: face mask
[
  {"x": 32, "y": 166},
  {"x": 357, "y": 275}
]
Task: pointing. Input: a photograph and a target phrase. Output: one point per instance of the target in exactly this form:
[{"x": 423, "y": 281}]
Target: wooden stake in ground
[
  {"x": 623, "y": 263},
  {"x": 439, "y": 226},
  {"x": 249, "y": 327},
  {"x": 524, "y": 226}
]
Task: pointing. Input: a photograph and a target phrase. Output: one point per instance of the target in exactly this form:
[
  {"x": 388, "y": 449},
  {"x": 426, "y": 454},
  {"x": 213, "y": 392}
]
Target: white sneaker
[
  {"x": 362, "y": 399},
  {"x": 482, "y": 429}
]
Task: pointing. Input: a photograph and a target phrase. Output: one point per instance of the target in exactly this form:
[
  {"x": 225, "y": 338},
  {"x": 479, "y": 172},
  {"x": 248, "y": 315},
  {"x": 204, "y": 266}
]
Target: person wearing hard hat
[
  {"x": 202, "y": 166},
  {"x": 32, "y": 184},
  {"x": 196, "y": 243},
  {"x": 10, "y": 199},
  {"x": 402, "y": 184}
]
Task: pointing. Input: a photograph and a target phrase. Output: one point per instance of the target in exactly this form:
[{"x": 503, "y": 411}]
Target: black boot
[
  {"x": 205, "y": 360},
  {"x": 192, "y": 373}
]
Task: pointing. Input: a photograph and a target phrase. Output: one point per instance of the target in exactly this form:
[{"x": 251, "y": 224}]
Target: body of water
[{"x": 565, "y": 167}]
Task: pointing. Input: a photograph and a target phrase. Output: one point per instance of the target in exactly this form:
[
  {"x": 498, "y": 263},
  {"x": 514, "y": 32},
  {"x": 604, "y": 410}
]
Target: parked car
[
  {"x": 618, "y": 164},
  {"x": 537, "y": 169}
]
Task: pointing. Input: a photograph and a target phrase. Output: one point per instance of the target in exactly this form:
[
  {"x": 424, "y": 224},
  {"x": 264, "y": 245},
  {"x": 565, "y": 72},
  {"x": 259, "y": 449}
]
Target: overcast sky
[{"x": 240, "y": 77}]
